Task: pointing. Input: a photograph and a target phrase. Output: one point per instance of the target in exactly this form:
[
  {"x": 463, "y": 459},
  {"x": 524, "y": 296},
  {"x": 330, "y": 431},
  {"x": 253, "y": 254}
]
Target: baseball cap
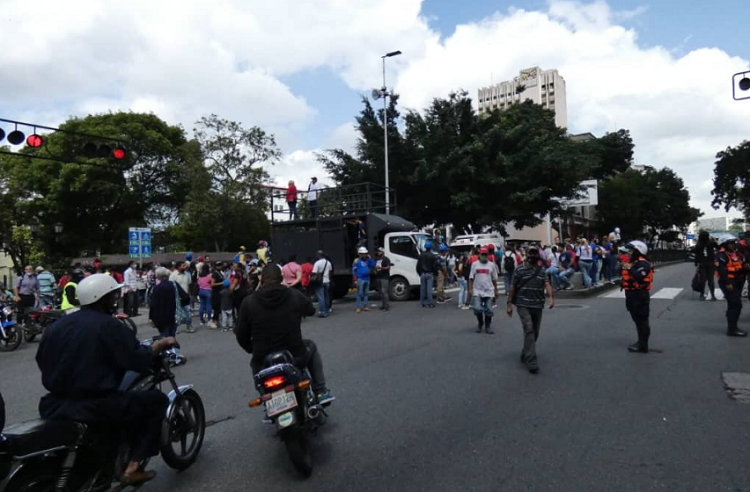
[
  {"x": 483, "y": 250},
  {"x": 39, "y": 269}
]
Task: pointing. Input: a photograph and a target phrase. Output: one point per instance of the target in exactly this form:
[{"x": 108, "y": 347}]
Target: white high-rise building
[{"x": 544, "y": 87}]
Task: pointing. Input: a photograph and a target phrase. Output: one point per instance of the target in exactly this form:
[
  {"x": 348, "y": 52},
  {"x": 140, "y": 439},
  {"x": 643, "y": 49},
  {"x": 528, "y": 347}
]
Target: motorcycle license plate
[{"x": 281, "y": 401}]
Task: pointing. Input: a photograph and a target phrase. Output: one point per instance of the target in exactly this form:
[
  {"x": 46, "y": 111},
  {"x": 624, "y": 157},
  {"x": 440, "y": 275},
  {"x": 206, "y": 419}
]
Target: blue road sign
[
  {"x": 134, "y": 250},
  {"x": 134, "y": 237},
  {"x": 146, "y": 237},
  {"x": 146, "y": 251},
  {"x": 691, "y": 236}
]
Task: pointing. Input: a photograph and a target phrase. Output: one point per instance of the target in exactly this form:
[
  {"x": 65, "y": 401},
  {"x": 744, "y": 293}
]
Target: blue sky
[{"x": 298, "y": 68}]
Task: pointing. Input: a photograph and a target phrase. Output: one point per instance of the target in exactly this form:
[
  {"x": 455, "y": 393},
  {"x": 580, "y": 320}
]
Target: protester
[
  {"x": 426, "y": 268},
  {"x": 140, "y": 282},
  {"x": 26, "y": 292},
  {"x": 511, "y": 259},
  {"x": 238, "y": 286},
  {"x": 313, "y": 192},
  {"x": 217, "y": 285},
  {"x": 383, "y": 268},
  {"x": 637, "y": 280},
  {"x": 291, "y": 200},
  {"x": 731, "y": 270},
  {"x": 705, "y": 256},
  {"x": 527, "y": 293},
  {"x": 205, "y": 293},
  {"x": 292, "y": 273},
  {"x": 596, "y": 265},
  {"x": 46, "y": 286},
  {"x": 483, "y": 289},
  {"x": 442, "y": 274},
  {"x": 227, "y": 306},
  {"x": 361, "y": 273},
  {"x": 567, "y": 268},
  {"x": 462, "y": 270},
  {"x": 182, "y": 278},
  {"x": 322, "y": 271},
  {"x": 585, "y": 261},
  {"x": 167, "y": 305},
  {"x": 553, "y": 267}
]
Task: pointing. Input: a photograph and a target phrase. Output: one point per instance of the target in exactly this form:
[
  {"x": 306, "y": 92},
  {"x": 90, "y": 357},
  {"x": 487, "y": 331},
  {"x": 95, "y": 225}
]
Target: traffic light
[
  {"x": 741, "y": 86},
  {"x": 79, "y": 145}
]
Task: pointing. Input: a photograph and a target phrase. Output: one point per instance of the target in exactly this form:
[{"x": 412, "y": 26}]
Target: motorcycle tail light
[{"x": 274, "y": 382}]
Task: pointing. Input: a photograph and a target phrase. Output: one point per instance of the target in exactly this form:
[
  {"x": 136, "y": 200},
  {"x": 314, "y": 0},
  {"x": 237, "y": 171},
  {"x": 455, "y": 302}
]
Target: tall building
[
  {"x": 714, "y": 224},
  {"x": 544, "y": 87}
]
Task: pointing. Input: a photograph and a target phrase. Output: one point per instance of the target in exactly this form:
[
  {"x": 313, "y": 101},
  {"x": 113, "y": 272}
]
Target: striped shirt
[{"x": 532, "y": 282}]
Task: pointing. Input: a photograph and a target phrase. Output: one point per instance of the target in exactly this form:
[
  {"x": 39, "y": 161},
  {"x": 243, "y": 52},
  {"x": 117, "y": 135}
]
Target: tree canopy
[{"x": 732, "y": 179}]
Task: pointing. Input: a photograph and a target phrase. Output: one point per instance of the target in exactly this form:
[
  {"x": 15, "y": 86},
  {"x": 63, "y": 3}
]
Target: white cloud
[{"x": 679, "y": 109}]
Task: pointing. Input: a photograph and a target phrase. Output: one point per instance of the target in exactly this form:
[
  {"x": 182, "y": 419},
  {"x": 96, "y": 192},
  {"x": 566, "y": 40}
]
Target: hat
[
  {"x": 200, "y": 258},
  {"x": 362, "y": 250},
  {"x": 242, "y": 248},
  {"x": 533, "y": 248},
  {"x": 381, "y": 250},
  {"x": 218, "y": 263},
  {"x": 483, "y": 250},
  {"x": 39, "y": 269}
]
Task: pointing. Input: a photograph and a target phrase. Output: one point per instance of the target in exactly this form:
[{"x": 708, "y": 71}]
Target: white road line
[
  {"x": 667, "y": 293},
  {"x": 617, "y": 294}
]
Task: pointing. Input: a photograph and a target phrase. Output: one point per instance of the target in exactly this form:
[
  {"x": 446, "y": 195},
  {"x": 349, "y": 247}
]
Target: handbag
[
  {"x": 316, "y": 278},
  {"x": 182, "y": 313},
  {"x": 697, "y": 284}
]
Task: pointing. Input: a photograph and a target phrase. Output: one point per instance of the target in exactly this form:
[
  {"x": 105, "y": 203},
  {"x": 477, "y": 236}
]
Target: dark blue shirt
[
  {"x": 361, "y": 268},
  {"x": 86, "y": 354},
  {"x": 566, "y": 259}
]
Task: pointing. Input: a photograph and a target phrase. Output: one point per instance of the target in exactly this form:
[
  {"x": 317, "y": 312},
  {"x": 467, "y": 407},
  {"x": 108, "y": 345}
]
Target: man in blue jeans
[
  {"x": 323, "y": 269},
  {"x": 361, "y": 272},
  {"x": 426, "y": 268},
  {"x": 566, "y": 269}
]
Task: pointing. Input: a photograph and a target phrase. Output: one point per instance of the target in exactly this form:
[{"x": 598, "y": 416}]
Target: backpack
[{"x": 509, "y": 263}]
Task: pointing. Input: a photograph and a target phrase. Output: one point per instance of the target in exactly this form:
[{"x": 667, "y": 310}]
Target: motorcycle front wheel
[
  {"x": 184, "y": 431},
  {"x": 12, "y": 340},
  {"x": 298, "y": 447}
]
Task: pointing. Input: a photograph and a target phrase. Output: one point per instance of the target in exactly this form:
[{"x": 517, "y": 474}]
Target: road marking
[
  {"x": 667, "y": 293},
  {"x": 617, "y": 294}
]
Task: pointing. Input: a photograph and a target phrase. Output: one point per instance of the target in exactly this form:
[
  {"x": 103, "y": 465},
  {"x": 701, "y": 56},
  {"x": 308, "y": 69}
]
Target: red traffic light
[
  {"x": 119, "y": 153},
  {"x": 35, "y": 141}
]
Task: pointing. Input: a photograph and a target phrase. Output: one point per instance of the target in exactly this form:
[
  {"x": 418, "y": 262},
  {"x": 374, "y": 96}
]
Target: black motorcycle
[
  {"x": 10, "y": 333},
  {"x": 290, "y": 405},
  {"x": 65, "y": 456}
]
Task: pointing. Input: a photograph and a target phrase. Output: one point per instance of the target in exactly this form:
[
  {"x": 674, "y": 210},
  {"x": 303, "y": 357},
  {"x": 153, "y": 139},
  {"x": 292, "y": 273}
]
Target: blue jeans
[
  {"x": 363, "y": 293},
  {"x": 585, "y": 266},
  {"x": 554, "y": 272},
  {"x": 508, "y": 277},
  {"x": 463, "y": 291},
  {"x": 425, "y": 289},
  {"x": 205, "y": 307},
  {"x": 482, "y": 305},
  {"x": 595, "y": 269},
  {"x": 324, "y": 296},
  {"x": 563, "y": 277}
]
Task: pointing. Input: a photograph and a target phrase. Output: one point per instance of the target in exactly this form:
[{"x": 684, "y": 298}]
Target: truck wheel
[
  {"x": 340, "y": 288},
  {"x": 399, "y": 289}
]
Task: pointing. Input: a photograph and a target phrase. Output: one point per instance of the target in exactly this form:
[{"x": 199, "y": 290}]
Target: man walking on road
[
  {"x": 527, "y": 292},
  {"x": 483, "y": 289},
  {"x": 731, "y": 279},
  {"x": 637, "y": 280},
  {"x": 442, "y": 264},
  {"x": 130, "y": 290},
  {"x": 426, "y": 267},
  {"x": 182, "y": 278},
  {"x": 705, "y": 257}
]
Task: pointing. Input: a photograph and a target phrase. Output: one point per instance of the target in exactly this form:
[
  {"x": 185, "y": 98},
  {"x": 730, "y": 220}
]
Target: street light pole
[{"x": 385, "y": 135}]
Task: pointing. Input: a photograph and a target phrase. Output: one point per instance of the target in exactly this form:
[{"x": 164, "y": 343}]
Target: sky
[{"x": 298, "y": 69}]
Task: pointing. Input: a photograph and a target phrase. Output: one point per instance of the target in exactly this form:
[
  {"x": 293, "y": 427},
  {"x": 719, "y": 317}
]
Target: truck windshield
[{"x": 421, "y": 240}]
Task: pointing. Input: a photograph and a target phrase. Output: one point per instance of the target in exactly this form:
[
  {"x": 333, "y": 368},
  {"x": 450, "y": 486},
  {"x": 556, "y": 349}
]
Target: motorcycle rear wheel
[
  {"x": 12, "y": 340},
  {"x": 298, "y": 448},
  {"x": 178, "y": 432}
]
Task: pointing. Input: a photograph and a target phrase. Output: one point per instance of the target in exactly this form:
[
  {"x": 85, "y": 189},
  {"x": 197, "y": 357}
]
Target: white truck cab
[{"x": 403, "y": 249}]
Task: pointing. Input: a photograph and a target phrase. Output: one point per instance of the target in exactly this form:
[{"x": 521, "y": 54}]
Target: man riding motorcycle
[
  {"x": 84, "y": 357},
  {"x": 269, "y": 321}
]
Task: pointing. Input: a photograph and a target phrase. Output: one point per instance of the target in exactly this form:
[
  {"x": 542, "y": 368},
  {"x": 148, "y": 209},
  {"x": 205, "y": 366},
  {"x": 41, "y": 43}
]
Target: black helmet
[{"x": 77, "y": 275}]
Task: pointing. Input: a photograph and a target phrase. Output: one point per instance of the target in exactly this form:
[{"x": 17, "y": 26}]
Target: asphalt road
[{"x": 425, "y": 403}]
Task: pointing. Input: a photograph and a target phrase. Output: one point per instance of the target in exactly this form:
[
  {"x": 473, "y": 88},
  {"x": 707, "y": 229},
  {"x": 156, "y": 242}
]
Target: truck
[{"x": 340, "y": 236}]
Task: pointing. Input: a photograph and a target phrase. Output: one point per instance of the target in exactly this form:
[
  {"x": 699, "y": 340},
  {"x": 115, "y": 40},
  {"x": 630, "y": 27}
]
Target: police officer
[
  {"x": 637, "y": 279},
  {"x": 731, "y": 272}
]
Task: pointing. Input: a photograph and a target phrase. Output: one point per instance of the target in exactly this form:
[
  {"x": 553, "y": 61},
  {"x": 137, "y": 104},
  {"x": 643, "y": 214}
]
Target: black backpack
[{"x": 509, "y": 263}]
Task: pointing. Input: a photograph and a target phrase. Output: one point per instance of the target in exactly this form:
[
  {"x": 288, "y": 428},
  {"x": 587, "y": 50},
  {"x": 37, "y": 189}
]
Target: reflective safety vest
[
  {"x": 629, "y": 282},
  {"x": 734, "y": 265},
  {"x": 66, "y": 304}
]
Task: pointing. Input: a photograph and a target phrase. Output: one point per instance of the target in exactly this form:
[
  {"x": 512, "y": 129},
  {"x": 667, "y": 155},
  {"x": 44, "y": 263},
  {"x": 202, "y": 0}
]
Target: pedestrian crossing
[{"x": 664, "y": 293}]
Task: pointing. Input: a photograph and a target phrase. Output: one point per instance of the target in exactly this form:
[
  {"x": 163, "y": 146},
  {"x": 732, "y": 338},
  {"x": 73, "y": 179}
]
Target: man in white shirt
[
  {"x": 313, "y": 192},
  {"x": 182, "y": 277},
  {"x": 323, "y": 269},
  {"x": 130, "y": 290}
]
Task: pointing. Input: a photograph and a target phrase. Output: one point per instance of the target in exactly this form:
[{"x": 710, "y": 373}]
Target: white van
[{"x": 465, "y": 243}]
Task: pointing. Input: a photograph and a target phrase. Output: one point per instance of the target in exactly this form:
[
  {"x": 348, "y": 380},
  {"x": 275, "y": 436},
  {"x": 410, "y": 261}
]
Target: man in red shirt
[
  {"x": 291, "y": 200},
  {"x": 307, "y": 268}
]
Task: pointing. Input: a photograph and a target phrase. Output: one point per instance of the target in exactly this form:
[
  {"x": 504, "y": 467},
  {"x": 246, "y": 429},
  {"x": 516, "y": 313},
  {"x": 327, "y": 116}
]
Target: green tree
[
  {"x": 732, "y": 179},
  {"x": 96, "y": 202}
]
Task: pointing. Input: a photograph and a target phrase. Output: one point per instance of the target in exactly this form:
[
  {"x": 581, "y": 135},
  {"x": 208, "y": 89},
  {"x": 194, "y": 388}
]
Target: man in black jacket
[
  {"x": 705, "y": 255},
  {"x": 426, "y": 268},
  {"x": 269, "y": 321}
]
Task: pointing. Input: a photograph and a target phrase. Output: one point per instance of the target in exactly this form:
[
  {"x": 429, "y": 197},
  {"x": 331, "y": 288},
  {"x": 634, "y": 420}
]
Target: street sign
[
  {"x": 139, "y": 242},
  {"x": 690, "y": 236}
]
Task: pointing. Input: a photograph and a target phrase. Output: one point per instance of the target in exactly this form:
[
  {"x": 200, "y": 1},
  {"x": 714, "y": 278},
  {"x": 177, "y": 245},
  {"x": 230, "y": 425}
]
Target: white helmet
[
  {"x": 362, "y": 250},
  {"x": 640, "y": 246},
  {"x": 94, "y": 287}
]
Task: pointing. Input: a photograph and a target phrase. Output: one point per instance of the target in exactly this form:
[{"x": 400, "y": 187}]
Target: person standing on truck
[
  {"x": 426, "y": 268},
  {"x": 313, "y": 192},
  {"x": 291, "y": 200},
  {"x": 361, "y": 272}
]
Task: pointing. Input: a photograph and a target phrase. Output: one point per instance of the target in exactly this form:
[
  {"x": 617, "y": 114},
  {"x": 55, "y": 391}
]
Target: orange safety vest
[
  {"x": 629, "y": 282},
  {"x": 734, "y": 265}
]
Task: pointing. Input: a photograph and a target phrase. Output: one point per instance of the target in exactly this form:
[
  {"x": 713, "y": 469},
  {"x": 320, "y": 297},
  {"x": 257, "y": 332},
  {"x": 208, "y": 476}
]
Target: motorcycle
[
  {"x": 37, "y": 319},
  {"x": 10, "y": 332},
  {"x": 47, "y": 456},
  {"x": 290, "y": 405}
]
